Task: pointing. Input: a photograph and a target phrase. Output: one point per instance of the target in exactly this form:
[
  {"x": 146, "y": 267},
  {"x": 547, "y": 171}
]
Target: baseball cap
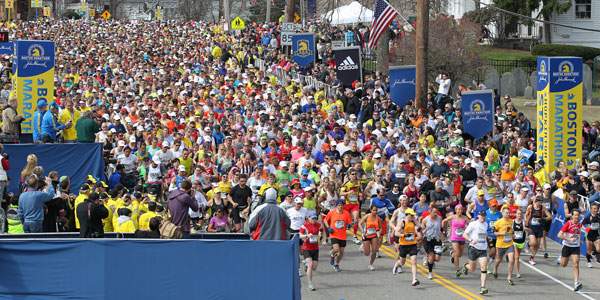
[
  {"x": 181, "y": 168},
  {"x": 476, "y": 154},
  {"x": 305, "y": 172},
  {"x": 546, "y": 186},
  {"x": 42, "y": 103},
  {"x": 458, "y": 131},
  {"x": 339, "y": 201},
  {"x": 282, "y": 164},
  {"x": 595, "y": 164},
  {"x": 312, "y": 215},
  {"x": 377, "y": 155},
  {"x": 156, "y": 159},
  {"x": 480, "y": 193},
  {"x": 121, "y": 144},
  {"x": 409, "y": 211},
  {"x": 493, "y": 202},
  {"x": 482, "y": 213},
  {"x": 165, "y": 144},
  {"x": 441, "y": 156},
  {"x": 298, "y": 200}
]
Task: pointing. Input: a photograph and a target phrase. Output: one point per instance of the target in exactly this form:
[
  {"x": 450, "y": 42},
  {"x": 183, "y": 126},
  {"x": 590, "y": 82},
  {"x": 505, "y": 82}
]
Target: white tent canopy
[{"x": 348, "y": 14}]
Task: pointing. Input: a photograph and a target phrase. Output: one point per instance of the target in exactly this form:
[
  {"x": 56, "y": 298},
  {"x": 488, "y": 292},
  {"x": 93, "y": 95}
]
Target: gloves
[
  {"x": 348, "y": 226},
  {"x": 330, "y": 230}
]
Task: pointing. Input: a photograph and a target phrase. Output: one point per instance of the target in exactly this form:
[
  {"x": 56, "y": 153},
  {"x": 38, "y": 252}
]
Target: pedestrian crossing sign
[
  {"x": 106, "y": 15},
  {"x": 238, "y": 23}
]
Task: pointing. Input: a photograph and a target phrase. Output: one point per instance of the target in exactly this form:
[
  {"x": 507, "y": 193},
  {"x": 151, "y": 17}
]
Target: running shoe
[
  {"x": 310, "y": 286},
  {"x": 356, "y": 240},
  {"x": 458, "y": 273},
  {"x": 419, "y": 252},
  {"x": 545, "y": 254},
  {"x": 595, "y": 258},
  {"x": 510, "y": 282},
  {"x": 337, "y": 268},
  {"x": 430, "y": 275},
  {"x": 532, "y": 261},
  {"x": 589, "y": 264},
  {"x": 495, "y": 274},
  {"x": 378, "y": 255},
  {"x": 305, "y": 267},
  {"x": 361, "y": 248},
  {"x": 518, "y": 275},
  {"x": 371, "y": 268},
  {"x": 331, "y": 258},
  {"x": 465, "y": 270},
  {"x": 415, "y": 282},
  {"x": 395, "y": 270},
  {"x": 424, "y": 261},
  {"x": 483, "y": 291},
  {"x": 299, "y": 273},
  {"x": 528, "y": 248},
  {"x": 558, "y": 260},
  {"x": 452, "y": 259},
  {"x": 578, "y": 286}
]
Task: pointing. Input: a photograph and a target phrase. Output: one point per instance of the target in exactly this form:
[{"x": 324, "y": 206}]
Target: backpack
[{"x": 168, "y": 230}]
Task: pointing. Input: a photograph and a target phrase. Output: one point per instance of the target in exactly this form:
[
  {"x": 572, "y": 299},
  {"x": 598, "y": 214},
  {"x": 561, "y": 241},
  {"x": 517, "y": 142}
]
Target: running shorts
[
  {"x": 313, "y": 254},
  {"x": 410, "y": 250},
  {"x": 502, "y": 251},
  {"x": 474, "y": 253},
  {"x": 568, "y": 251},
  {"x": 341, "y": 243}
]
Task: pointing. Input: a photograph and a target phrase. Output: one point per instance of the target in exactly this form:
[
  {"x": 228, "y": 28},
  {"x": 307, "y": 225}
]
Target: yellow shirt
[
  {"x": 69, "y": 134},
  {"x": 355, "y": 189},
  {"x": 187, "y": 163},
  {"x": 225, "y": 187},
  {"x": 144, "y": 223},
  {"x": 504, "y": 225},
  {"x": 110, "y": 205},
  {"x": 126, "y": 226},
  {"x": 495, "y": 155},
  {"x": 78, "y": 201}
]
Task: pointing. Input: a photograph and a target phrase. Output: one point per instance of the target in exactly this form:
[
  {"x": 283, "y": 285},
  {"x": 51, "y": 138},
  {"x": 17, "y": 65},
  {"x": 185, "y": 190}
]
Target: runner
[
  {"x": 432, "y": 237},
  {"x": 477, "y": 236},
  {"x": 408, "y": 232},
  {"x": 592, "y": 239},
  {"x": 336, "y": 222},
  {"x": 550, "y": 202},
  {"x": 351, "y": 192},
  {"x": 371, "y": 226},
  {"x": 492, "y": 215},
  {"x": 536, "y": 216},
  {"x": 458, "y": 223},
  {"x": 384, "y": 209},
  {"x": 519, "y": 239},
  {"x": 570, "y": 233},
  {"x": 310, "y": 232},
  {"x": 504, "y": 243}
]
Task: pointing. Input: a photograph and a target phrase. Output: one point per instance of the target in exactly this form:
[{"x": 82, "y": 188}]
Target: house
[{"x": 583, "y": 13}]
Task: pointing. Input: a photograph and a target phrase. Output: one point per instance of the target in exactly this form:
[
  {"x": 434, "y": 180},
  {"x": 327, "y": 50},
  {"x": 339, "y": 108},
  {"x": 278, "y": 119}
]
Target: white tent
[{"x": 348, "y": 14}]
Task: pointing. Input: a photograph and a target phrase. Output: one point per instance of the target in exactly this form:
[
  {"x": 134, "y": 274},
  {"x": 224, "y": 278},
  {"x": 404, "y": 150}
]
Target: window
[{"x": 583, "y": 9}]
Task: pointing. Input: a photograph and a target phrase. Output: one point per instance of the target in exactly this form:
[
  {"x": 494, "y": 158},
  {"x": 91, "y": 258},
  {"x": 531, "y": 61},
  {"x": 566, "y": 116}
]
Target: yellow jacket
[
  {"x": 144, "y": 222},
  {"x": 111, "y": 206},
  {"x": 69, "y": 133},
  {"x": 78, "y": 201},
  {"x": 126, "y": 226}
]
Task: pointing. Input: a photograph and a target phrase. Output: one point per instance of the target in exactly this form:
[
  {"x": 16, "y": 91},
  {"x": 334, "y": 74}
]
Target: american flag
[{"x": 384, "y": 14}]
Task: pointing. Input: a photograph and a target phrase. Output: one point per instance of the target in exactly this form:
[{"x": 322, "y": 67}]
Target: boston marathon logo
[
  {"x": 403, "y": 81},
  {"x": 566, "y": 72},
  {"x": 302, "y": 49},
  {"x": 35, "y": 57},
  {"x": 543, "y": 73},
  {"x": 477, "y": 111}
]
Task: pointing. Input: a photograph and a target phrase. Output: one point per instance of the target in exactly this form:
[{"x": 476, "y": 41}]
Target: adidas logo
[{"x": 347, "y": 64}]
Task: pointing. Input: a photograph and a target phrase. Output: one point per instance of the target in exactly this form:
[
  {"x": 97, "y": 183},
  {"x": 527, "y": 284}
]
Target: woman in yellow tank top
[
  {"x": 409, "y": 233},
  {"x": 371, "y": 227}
]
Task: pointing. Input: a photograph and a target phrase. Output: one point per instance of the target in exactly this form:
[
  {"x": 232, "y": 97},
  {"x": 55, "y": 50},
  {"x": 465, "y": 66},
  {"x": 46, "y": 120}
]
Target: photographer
[
  {"x": 11, "y": 122},
  {"x": 90, "y": 214}
]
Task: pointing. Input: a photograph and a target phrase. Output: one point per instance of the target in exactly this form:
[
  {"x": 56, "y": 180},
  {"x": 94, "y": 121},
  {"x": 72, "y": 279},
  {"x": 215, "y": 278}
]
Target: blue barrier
[
  {"x": 124, "y": 235},
  {"x": 149, "y": 269},
  {"x": 73, "y": 160}
]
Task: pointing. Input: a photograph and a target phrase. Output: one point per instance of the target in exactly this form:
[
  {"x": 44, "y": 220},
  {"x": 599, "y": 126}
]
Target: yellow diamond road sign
[
  {"x": 106, "y": 15},
  {"x": 238, "y": 23}
]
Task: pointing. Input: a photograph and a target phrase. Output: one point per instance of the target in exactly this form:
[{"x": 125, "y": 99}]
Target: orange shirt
[
  {"x": 338, "y": 222},
  {"x": 510, "y": 176}
]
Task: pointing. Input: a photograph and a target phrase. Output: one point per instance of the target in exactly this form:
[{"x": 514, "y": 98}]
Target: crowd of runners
[{"x": 180, "y": 103}]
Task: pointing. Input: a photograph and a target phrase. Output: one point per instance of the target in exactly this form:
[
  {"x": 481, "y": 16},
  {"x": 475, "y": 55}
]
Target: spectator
[
  {"x": 38, "y": 118},
  {"x": 269, "y": 221},
  {"x": 90, "y": 214},
  {"x": 180, "y": 202},
  {"x": 15, "y": 226},
  {"x": 31, "y": 204},
  {"x": 153, "y": 232},
  {"x": 69, "y": 114},
  {"x": 11, "y": 120},
  {"x": 50, "y": 125},
  {"x": 443, "y": 89},
  {"x": 87, "y": 128}
]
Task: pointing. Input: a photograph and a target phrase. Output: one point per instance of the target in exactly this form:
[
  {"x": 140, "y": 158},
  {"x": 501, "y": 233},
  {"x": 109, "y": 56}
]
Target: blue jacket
[
  {"x": 37, "y": 125},
  {"x": 31, "y": 204},
  {"x": 50, "y": 126},
  {"x": 114, "y": 179}
]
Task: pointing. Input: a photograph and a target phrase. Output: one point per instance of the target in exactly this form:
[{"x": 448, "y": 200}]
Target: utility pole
[
  {"x": 268, "y": 19},
  {"x": 227, "y": 15},
  {"x": 421, "y": 55},
  {"x": 290, "y": 11}
]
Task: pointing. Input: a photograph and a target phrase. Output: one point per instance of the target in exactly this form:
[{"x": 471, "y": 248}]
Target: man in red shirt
[
  {"x": 310, "y": 233},
  {"x": 570, "y": 233}
]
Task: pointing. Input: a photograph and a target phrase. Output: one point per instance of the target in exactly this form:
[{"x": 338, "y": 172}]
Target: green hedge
[{"x": 587, "y": 53}]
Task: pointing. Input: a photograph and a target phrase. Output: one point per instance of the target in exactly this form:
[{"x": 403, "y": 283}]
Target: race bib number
[
  {"x": 469, "y": 184},
  {"x": 594, "y": 226},
  {"x": 459, "y": 232},
  {"x": 353, "y": 199},
  {"x": 547, "y": 205},
  {"x": 518, "y": 235},
  {"x": 284, "y": 183},
  {"x": 223, "y": 196},
  {"x": 482, "y": 238},
  {"x": 507, "y": 238},
  {"x": 492, "y": 224},
  {"x": 371, "y": 231},
  {"x": 535, "y": 221},
  {"x": 339, "y": 224},
  {"x": 313, "y": 239},
  {"x": 438, "y": 250},
  {"x": 410, "y": 237}
]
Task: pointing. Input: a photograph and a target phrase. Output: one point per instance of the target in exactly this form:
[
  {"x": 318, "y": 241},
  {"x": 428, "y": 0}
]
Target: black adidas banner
[{"x": 348, "y": 64}]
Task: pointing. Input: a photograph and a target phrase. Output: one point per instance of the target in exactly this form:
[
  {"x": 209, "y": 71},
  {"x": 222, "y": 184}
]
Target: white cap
[
  {"x": 113, "y": 130},
  {"x": 156, "y": 159},
  {"x": 282, "y": 164},
  {"x": 132, "y": 139},
  {"x": 452, "y": 145},
  {"x": 595, "y": 164},
  {"x": 127, "y": 119},
  {"x": 584, "y": 174},
  {"x": 165, "y": 144},
  {"x": 458, "y": 131},
  {"x": 140, "y": 128},
  {"x": 121, "y": 144},
  {"x": 298, "y": 200},
  {"x": 377, "y": 155},
  {"x": 290, "y": 124},
  {"x": 181, "y": 168},
  {"x": 441, "y": 156},
  {"x": 352, "y": 116},
  {"x": 476, "y": 154},
  {"x": 342, "y": 122},
  {"x": 468, "y": 161},
  {"x": 546, "y": 186}
]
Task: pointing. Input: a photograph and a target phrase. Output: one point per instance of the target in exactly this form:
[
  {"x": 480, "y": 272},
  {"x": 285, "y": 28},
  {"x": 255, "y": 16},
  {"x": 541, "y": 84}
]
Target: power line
[{"x": 535, "y": 19}]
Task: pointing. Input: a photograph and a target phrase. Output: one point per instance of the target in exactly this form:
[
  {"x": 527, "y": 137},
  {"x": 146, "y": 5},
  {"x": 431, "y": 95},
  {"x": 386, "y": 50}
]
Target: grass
[
  {"x": 590, "y": 113},
  {"x": 505, "y": 54}
]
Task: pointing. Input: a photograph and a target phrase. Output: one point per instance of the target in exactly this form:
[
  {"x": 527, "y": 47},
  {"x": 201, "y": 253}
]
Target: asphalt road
[{"x": 542, "y": 281}]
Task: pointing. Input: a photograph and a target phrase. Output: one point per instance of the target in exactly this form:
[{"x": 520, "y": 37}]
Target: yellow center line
[{"x": 442, "y": 280}]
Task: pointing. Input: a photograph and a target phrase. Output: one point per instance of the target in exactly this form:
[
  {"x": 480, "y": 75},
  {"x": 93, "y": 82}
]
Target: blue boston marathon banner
[
  {"x": 7, "y": 48},
  {"x": 478, "y": 113},
  {"x": 402, "y": 84},
  {"x": 303, "y": 48}
]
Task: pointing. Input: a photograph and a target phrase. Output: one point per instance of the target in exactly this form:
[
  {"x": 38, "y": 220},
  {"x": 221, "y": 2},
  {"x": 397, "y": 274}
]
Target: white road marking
[{"x": 583, "y": 294}]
